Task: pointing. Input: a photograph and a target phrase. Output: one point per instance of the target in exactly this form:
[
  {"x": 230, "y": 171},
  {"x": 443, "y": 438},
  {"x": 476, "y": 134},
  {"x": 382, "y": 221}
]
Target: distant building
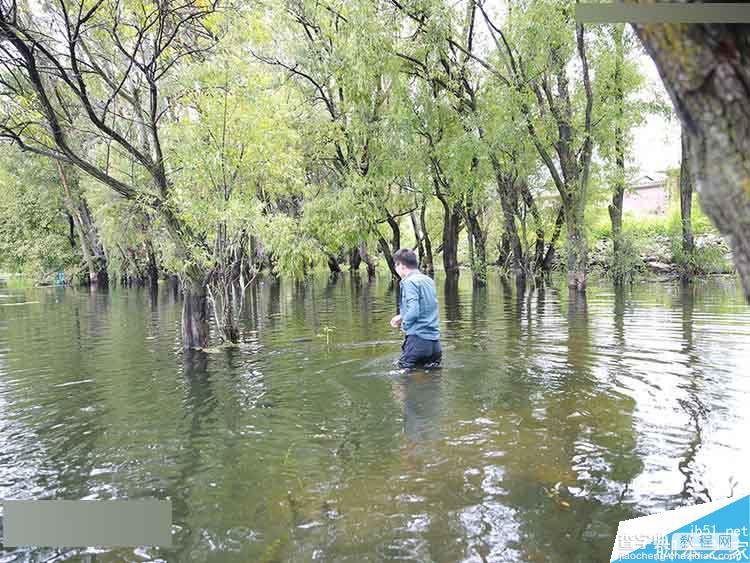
[{"x": 649, "y": 194}]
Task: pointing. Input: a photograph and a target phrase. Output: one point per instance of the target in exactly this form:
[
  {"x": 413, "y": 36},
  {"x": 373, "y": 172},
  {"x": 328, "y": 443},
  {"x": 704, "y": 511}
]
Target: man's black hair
[{"x": 406, "y": 257}]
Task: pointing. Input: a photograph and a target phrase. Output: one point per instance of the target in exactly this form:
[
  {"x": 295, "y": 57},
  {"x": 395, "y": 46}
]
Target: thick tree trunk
[
  {"x": 478, "y": 248},
  {"x": 577, "y": 248},
  {"x": 686, "y": 197},
  {"x": 230, "y": 329},
  {"x": 503, "y": 251},
  {"x": 355, "y": 259},
  {"x": 506, "y": 190},
  {"x": 195, "y": 329},
  {"x": 549, "y": 257},
  {"x": 152, "y": 268},
  {"x": 367, "y": 259},
  {"x": 396, "y": 233},
  {"x": 531, "y": 205},
  {"x": 333, "y": 264},
  {"x": 706, "y": 71},
  {"x": 385, "y": 249},
  {"x": 451, "y": 228}
]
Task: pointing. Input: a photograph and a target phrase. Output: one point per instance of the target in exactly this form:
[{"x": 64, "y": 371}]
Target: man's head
[{"x": 405, "y": 261}]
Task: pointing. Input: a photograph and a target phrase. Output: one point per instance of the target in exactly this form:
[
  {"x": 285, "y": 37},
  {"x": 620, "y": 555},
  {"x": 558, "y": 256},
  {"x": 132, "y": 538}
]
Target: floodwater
[{"x": 551, "y": 420}]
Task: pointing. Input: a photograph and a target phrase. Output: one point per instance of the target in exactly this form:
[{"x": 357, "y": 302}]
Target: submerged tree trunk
[
  {"x": 478, "y": 248},
  {"x": 195, "y": 329},
  {"x": 451, "y": 228},
  {"x": 367, "y": 259},
  {"x": 706, "y": 71},
  {"x": 577, "y": 247},
  {"x": 355, "y": 259},
  {"x": 506, "y": 190},
  {"x": 531, "y": 205},
  {"x": 152, "y": 268},
  {"x": 333, "y": 263},
  {"x": 549, "y": 257}
]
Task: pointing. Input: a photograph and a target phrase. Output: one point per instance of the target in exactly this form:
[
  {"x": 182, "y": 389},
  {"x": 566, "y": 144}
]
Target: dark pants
[{"x": 416, "y": 351}]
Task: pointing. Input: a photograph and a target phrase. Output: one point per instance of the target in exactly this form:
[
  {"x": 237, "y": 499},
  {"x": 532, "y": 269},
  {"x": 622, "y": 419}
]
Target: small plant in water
[{"x": 325, "y": 332}]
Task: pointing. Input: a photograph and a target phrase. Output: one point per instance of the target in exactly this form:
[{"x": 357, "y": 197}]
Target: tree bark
[
  {"x": 152, "y": 267},
  {"x": 506, "y": 190},
  {"x": 451, "y": 228},
  {"x": 93, "y": 253},
  {"x": 577, "y": 247},
  {"x": 706, "y": 71},
  {"x": 478, "y": 248},
  {"x": 385, "y": 249},
  {"x": 429, "y": 263},
  {"x": 531, "y": 205},
  {"x": 686, "y": 197},
  {"x": 419, "y": 238},
  {"x": 333, "y": 264},
  {"x": 195, "y": 328},
  {"x": 615, "y": 208},
  {"x": 396, "y": 233},
  {"x": 355, "y": 259},
  {"x": 549, "y": 257},
  {"x": 367, "y": 259}
]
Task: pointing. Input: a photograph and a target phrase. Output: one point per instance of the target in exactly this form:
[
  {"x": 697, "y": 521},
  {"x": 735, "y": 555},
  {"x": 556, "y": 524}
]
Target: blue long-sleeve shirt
[{"x": 419, "y": 307}]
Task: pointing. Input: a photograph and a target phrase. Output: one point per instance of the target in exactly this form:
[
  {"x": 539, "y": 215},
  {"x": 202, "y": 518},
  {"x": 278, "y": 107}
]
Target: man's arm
[{"x": 409, "y": 304}]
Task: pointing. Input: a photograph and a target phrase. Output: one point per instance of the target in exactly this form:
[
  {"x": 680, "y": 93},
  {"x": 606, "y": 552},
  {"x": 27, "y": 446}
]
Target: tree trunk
[
  {"x": 549, "y": 257},
  {"x": 531, "y": 205},
  {"x": 506, "y": 190},
  {"x": 686, "y": 197},
  {"x": 478, "y": 248},
  {"x": 396, "y": 233},
  {"x": 195, "y": 316},
  {"x": 367, "y": 259},
  {"x": 355, "y": 259},
  {"x": 451, "y": 228},
  {"x": 577, "y": 247},
  {"x": 615, "y": 208},
  {"x": 706, "y": 71},
  {"x": 333, "y": 263},
  {"x": 503, "y": 251},
  {"x": 429, "y": 263},
  {"x": 93, "y": 253},
  {"x": 152, "y": 268},
  {"x": 385, "y": 249},
  {"x": 419, "y": 238}
]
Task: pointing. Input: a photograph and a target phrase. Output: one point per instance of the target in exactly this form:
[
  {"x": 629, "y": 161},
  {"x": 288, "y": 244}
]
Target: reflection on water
[{"x": 552, "y": 419}]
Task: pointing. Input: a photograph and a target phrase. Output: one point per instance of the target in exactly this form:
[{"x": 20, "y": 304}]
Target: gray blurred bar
[
  {"x": 663, "y": 12},
  {"x": 87, "y": 523}
]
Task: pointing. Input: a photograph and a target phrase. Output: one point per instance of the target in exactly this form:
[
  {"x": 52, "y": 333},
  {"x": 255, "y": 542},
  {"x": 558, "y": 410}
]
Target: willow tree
[
  {"x": 558, "y": 112},
  {"x": 619, "y": 109},
  {"x": 37, "y": 236},
  {"x": 233, "y": 151},
  {"x": 442, "y": 49},
  {"x": 335, "y": 55},
  {"x": 104, "y": 69},
  {"x": 706, "y": 70}
]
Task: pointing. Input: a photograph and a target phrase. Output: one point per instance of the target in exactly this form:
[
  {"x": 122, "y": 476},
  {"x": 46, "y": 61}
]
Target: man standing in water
[{"x": 419, "y": 314}]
